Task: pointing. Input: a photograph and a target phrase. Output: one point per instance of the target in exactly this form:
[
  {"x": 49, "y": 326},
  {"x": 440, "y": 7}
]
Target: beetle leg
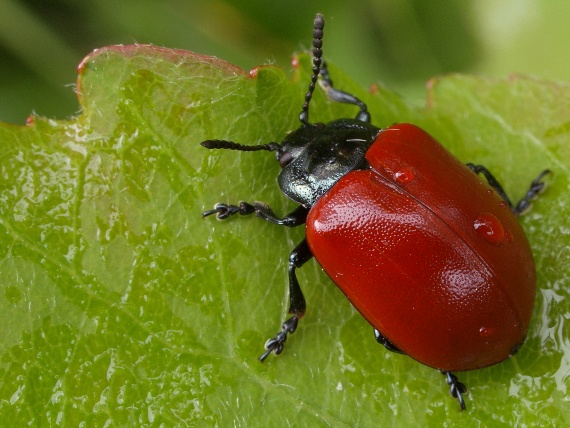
[
  {"x": 295, "y": 218},
  {"x": 297, "y": 305},
  {"x": 224, "y": 211},
  {"x": 536, "y": 187},
  {"x": 341, "y": 96},
  {"x": 261, "y": 210},
  {"x": 480, "y": 169},
  {"x": 456, "y": 388},
  {"x": 386, "y": 343},
  {"x": 300, "y": 255},
  {"x": 276, "y": 343}
]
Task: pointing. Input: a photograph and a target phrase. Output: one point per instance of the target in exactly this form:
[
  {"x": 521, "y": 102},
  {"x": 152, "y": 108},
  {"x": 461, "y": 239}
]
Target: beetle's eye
[{"x": 284, "y": 158}]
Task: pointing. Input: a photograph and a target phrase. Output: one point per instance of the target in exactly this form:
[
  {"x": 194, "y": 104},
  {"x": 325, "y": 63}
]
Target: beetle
[{"x": 428, "y": 249}]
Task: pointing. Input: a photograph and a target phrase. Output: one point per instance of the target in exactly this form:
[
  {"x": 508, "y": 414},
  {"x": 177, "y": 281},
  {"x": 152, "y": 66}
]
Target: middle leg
[{"x": 297, "y": 305}]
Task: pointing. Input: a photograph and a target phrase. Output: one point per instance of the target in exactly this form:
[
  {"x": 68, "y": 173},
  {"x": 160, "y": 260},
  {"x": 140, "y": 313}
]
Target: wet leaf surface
[{"x": 120, "y": 305}]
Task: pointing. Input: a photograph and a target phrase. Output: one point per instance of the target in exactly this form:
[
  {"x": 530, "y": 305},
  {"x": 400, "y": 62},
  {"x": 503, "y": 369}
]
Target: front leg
[{"x": 295, "y": 218}]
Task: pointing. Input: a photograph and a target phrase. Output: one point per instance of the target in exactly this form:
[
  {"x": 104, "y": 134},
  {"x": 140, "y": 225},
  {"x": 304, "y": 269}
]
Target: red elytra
[{"x": 428, "y": 253}]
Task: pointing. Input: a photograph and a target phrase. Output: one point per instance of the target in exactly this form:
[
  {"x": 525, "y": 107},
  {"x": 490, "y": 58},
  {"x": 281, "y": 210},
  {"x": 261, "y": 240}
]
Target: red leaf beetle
[{"x": 431, "y": 255}]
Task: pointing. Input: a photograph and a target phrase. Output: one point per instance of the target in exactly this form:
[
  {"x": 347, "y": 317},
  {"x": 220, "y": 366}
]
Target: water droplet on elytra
[
  {"x": 489, "y": 228},
  {"x": 486, "y": 331},
  {"x": 404, "y": 175}
]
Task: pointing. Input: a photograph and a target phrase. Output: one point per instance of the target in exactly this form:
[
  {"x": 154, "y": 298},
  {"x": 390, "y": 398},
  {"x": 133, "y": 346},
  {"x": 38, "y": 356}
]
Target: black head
[{"x": 320, "y": 155}]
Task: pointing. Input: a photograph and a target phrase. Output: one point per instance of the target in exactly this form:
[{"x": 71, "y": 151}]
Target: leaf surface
[{"x": 120, "y": 305}]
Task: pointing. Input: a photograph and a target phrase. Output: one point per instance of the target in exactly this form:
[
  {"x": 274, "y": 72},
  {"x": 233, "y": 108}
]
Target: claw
[
  {"x": 456, "y": 388},
  {"x": 536, "y": 188},
  {"x": 276, "y": 343},
  {"x": 223, "y": 211}
]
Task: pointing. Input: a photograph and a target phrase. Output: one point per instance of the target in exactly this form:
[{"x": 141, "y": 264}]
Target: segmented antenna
[
  {"x": 230, "y": 145},
  {"x": 318, "y": 27}
]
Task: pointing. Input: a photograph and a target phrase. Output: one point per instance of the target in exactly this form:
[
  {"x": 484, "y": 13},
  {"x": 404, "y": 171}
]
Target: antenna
[
  {"x": 230, "y": 145},
  {"x": 318, "y": 26}
]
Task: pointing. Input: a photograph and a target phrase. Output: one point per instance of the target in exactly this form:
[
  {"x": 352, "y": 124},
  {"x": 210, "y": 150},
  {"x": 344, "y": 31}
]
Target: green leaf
[{"x": 120, "y": 305}]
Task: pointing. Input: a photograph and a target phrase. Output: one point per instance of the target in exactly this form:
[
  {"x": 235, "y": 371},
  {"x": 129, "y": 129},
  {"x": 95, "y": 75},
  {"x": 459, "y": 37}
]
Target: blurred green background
[{"x": 400, "y": 42}]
